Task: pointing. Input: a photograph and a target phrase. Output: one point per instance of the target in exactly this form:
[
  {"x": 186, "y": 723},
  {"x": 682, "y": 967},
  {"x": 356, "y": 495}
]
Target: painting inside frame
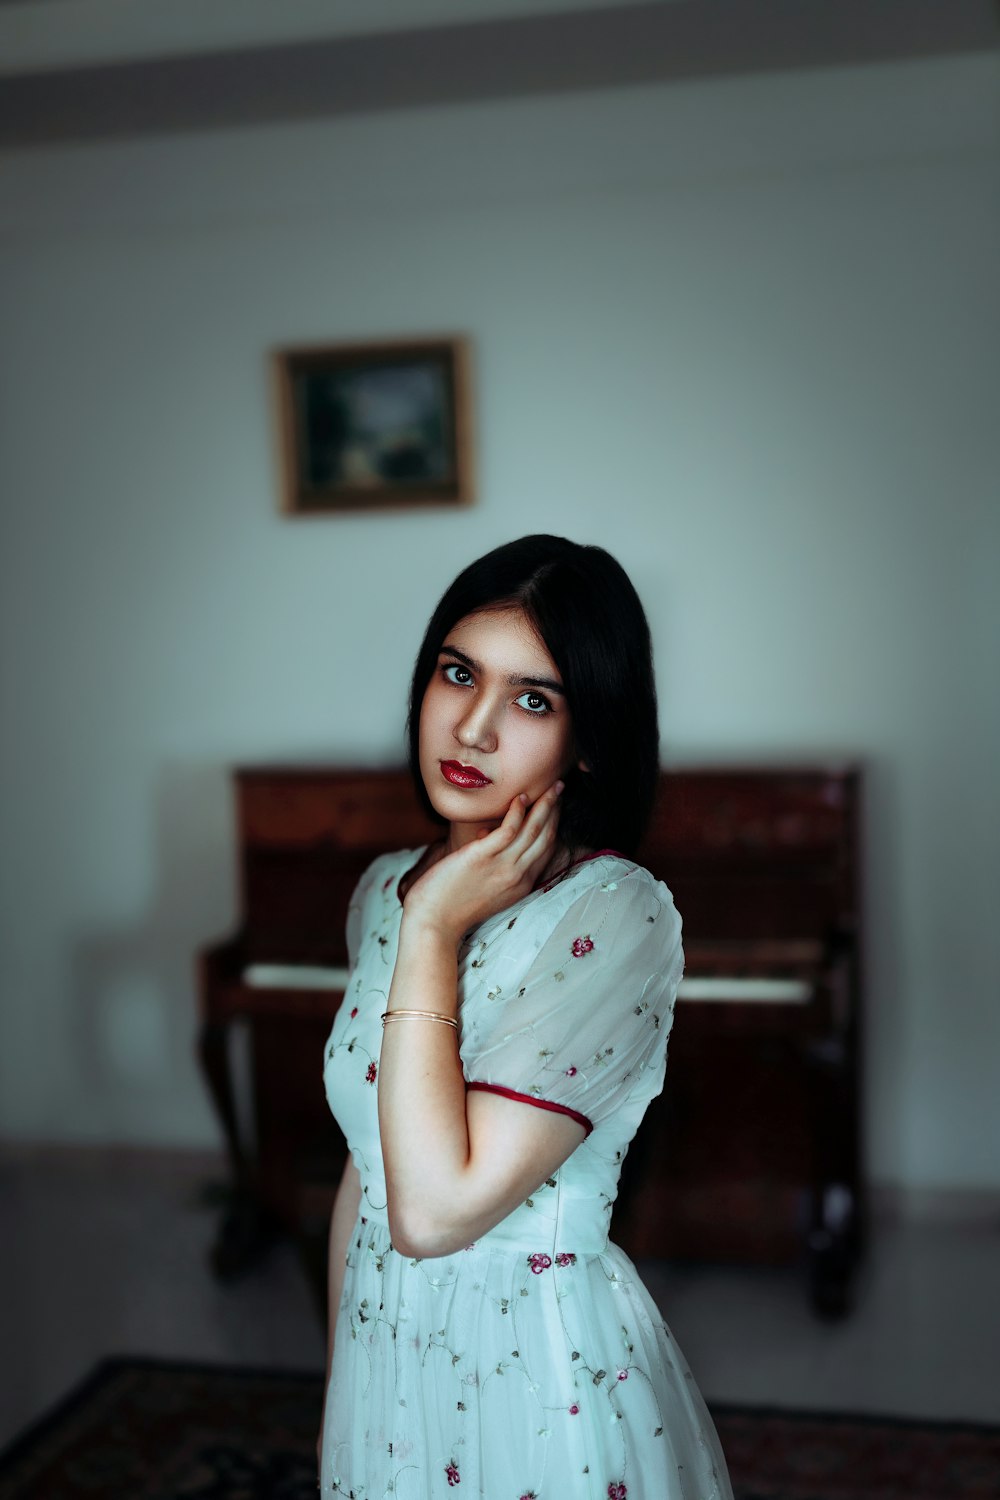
[{"x": 365, "y": 426}]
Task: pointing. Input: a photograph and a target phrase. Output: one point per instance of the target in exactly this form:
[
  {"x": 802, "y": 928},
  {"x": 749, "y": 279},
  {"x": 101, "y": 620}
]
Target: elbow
[
  {"x": 413, "y": 1246},
  {"x": 418, "y": 1235}
]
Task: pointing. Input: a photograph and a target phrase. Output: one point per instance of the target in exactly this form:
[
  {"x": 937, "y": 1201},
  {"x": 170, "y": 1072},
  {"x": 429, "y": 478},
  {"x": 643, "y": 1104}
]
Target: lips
[{"x": 463, "y": 776}]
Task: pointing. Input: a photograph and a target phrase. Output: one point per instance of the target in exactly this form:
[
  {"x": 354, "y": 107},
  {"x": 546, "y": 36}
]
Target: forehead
[{"x": 503, "y": 637}]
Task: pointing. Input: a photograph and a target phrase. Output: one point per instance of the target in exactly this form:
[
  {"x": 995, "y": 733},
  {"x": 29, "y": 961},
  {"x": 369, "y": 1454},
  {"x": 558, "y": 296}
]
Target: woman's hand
[{"x": 489, "y": 874}]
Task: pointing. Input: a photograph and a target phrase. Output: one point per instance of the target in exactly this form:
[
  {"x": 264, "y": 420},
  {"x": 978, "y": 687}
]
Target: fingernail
[
  {"x": 559, "y": 787},
  {"x": 522, "y": 797}
]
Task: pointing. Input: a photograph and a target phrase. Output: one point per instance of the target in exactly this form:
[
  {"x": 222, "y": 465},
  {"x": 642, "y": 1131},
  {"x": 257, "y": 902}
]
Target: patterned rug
[{"x": 141, "y": 1429}]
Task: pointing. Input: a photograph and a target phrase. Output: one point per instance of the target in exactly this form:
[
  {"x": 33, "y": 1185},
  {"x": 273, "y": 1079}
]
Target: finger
[
  {"x": 497, "y": 840},
  {"x": 510, "y": 824},
  {"x": 543, "y": 810},
  {"x": 539, "y": 851},
  {"x": 543, "y": 816}
]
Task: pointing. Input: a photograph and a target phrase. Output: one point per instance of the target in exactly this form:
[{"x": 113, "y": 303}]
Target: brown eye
[{"x": 534, "y": 703}]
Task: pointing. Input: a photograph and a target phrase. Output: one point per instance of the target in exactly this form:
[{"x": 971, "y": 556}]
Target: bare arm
[{"x": 457, "y": 1163}]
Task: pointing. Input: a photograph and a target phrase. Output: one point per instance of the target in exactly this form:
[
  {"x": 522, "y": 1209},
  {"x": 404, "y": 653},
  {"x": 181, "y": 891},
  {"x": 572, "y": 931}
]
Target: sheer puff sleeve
[{"x": 581, "y": 1024}]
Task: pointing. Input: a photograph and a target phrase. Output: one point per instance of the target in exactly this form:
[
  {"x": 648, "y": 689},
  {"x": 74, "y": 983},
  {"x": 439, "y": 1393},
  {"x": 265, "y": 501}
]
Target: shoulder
[
  {"x": 600, "y": 948},
  {"x": 382, "y": 876},
  {"x": 626, "y": 886},
  {"x": 611, "y": 905}
]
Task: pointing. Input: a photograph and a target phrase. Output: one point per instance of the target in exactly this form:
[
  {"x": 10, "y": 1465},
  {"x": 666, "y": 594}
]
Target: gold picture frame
[{"x": 373, "y": 426}]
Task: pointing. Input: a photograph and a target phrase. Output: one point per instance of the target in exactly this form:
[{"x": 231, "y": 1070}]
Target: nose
[{"x": 476, "y": 729}]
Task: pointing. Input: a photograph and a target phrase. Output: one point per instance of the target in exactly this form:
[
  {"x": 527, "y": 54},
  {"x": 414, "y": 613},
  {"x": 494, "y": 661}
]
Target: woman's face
[{"x": 494, "y": 721}]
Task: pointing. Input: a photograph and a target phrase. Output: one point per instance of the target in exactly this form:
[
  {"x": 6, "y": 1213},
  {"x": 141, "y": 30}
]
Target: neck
[{"x": 460, "y": 834}]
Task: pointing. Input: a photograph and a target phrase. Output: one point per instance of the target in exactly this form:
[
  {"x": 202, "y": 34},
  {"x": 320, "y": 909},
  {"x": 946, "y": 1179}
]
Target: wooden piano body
[{"x": 752, "y": 1152}]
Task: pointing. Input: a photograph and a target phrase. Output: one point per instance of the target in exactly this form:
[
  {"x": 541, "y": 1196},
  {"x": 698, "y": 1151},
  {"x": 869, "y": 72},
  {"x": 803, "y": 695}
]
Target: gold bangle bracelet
[{"x": 418, "y": 1015}]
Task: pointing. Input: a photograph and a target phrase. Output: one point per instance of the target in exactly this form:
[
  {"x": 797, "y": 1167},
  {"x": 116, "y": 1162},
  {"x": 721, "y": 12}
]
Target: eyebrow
[{"x": 513, "y": 679}]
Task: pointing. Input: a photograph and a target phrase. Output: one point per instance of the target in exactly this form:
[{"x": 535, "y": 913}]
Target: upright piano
[{"x": 753, "y": 1151}]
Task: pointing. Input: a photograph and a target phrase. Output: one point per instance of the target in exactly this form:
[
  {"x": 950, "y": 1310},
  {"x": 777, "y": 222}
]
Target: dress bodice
[{"x": 565, "y": 1001}]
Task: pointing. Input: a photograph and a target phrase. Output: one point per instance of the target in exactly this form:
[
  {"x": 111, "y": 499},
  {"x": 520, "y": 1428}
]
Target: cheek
[{"x": 541, "y": 751}]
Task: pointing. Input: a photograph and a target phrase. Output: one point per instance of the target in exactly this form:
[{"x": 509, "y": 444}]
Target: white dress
[{"x": 532, "y": 1365}]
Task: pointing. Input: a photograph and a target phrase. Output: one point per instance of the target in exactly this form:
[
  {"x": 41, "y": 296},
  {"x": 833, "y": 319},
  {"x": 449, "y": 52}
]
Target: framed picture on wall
[{"x": 372, "y": 426}]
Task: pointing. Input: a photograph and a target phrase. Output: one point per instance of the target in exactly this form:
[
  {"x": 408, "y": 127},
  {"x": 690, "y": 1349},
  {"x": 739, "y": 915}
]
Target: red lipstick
[{"x": 464, "y": 776}]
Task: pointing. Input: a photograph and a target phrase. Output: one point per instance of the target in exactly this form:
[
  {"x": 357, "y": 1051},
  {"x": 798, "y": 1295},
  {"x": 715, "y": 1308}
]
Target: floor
[{"x": 107, "y": 1254}]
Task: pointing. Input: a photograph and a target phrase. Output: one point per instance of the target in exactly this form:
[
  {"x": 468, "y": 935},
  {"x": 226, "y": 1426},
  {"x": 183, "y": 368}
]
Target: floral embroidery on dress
[{"x": 526, "y": 1014}]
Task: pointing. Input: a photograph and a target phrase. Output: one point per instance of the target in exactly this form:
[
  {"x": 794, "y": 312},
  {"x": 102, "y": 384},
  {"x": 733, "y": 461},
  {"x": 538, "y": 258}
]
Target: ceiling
[
  {"x": 40, "y": 34},
  {"x": 79, "y": 70}
]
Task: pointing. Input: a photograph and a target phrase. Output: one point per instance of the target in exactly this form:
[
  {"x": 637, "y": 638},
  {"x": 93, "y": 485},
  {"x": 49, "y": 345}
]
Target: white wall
[
  {"x": 743, "y": 333},
  {"x": 79, "y": 32}
]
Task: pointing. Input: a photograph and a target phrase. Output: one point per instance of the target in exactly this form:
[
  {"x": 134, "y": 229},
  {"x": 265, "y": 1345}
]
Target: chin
[{"x": 465, "y": 807}]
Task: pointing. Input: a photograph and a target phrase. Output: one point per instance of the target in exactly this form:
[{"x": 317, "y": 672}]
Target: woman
[{"x": 504, "y": 1029}]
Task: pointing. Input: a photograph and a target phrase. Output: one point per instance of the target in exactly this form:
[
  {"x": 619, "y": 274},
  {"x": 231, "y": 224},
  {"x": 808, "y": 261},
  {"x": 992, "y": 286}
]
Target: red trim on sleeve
[{"x": 560, "y": 1109}]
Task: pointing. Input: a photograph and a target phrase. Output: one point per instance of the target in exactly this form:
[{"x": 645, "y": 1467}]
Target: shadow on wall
[
  {"x": 135, "y": 1012},
  {"x": 885, "y": 1018}
]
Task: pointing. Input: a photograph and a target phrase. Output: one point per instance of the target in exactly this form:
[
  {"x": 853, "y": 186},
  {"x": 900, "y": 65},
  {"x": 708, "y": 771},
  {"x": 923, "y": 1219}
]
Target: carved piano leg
[
  {"x": 834, "y": 1240},
  {"x": 247, "y": 1229},
  {"x": 832, "y": 1251}
]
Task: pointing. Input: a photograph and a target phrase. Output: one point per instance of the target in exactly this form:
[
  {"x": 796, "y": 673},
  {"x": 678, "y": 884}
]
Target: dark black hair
[{"x": 582, "y": 604}]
